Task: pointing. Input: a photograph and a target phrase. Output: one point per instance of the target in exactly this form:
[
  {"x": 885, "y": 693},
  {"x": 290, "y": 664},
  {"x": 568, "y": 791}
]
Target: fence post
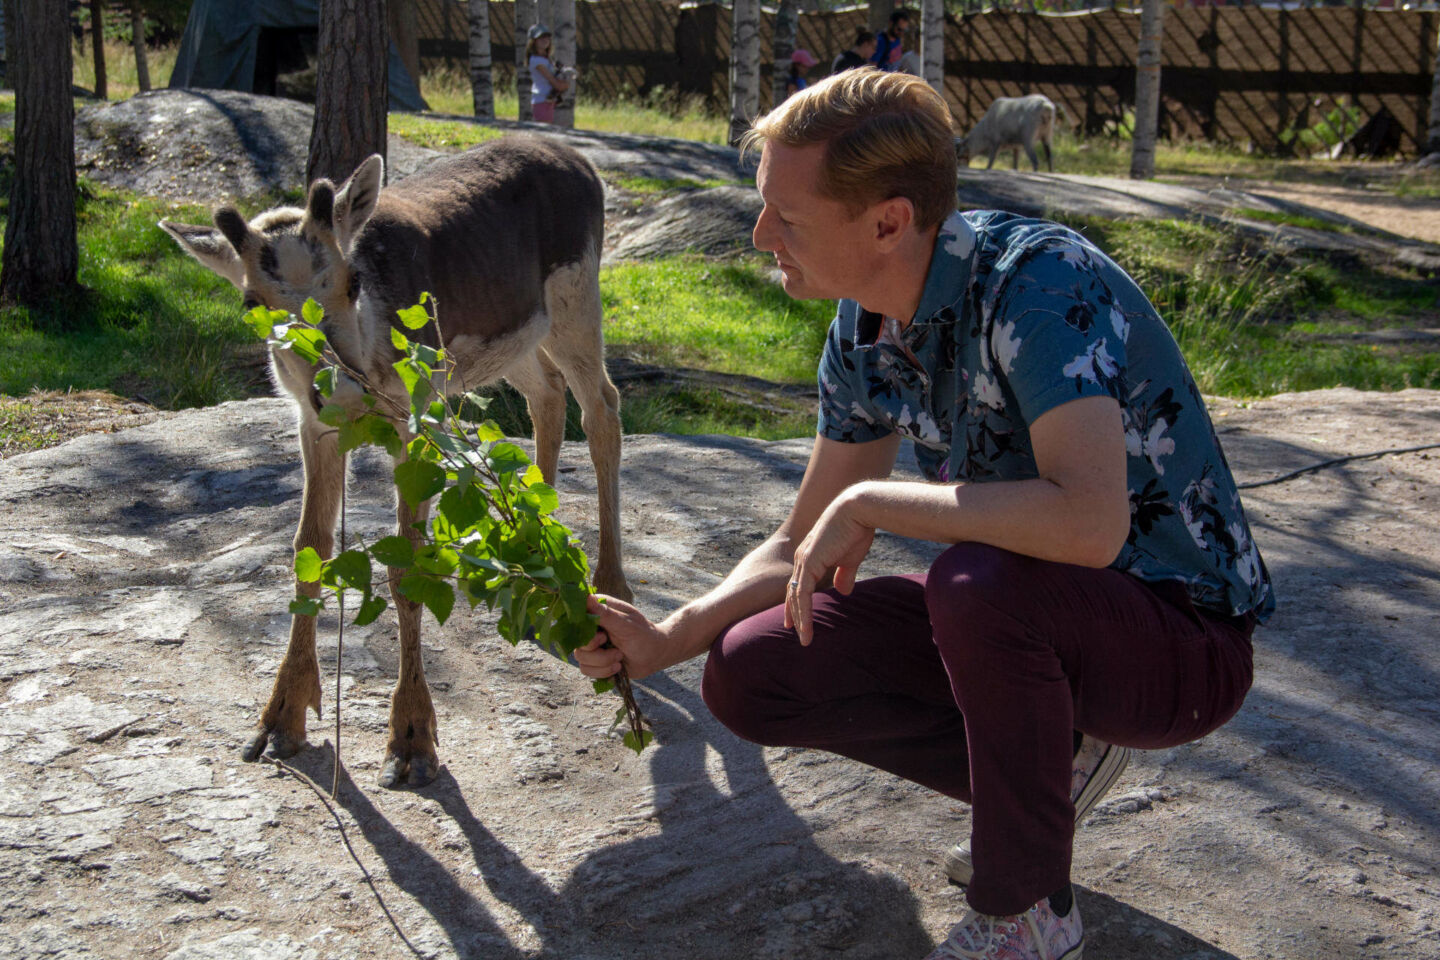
[{"x": 1282, "y": 106}]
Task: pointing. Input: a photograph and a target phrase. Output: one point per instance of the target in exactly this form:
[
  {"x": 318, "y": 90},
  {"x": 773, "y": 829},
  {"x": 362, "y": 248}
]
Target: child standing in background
[{"x": 546, "y": 84}]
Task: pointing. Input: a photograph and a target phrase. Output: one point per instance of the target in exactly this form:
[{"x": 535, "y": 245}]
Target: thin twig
[
  {"x": 339, "y": 647},
  {"x": 1334, "y": 462},
  {"x": 345, "y": 838}
]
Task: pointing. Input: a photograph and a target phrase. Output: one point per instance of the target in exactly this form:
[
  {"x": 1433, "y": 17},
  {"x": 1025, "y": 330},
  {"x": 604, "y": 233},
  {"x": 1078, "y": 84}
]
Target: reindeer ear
[
  {"x": 210, "y": 247},
  {"x": 321, "y": 208},
  {"x": 355, "y": 201},
  {"x": 236, "y": 230}
]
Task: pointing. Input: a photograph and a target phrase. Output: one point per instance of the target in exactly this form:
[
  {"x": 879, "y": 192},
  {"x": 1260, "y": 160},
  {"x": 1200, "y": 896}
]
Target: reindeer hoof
[
  {"x": 416, "y": 772},
  {"x": 271, "y": 743}
]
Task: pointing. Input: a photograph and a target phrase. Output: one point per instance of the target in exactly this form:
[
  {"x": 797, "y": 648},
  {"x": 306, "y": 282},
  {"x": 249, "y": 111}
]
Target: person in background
[
  {"x": 546, "y": 83},
  {"x": 800, "y": 61},
  {"x": 858, "y": 55},
  {"x": 890, "y": 44}
]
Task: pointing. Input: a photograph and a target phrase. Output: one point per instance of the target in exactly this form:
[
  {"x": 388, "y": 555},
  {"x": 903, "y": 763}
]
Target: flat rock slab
[{"x": 142, "y": 615}]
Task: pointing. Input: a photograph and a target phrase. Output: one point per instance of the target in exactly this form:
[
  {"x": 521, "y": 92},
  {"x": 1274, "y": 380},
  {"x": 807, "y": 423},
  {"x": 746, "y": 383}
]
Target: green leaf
[
  {"x": 399, "y": 340},
  {"x": 370, "y": 608},
  {"x": 547, "y": 500},
  {"x": 312, "y": 312},
  {"x": 489, "y": 430},
  {"x": 428, "y": 356},
  {"x": 440, "y": 598},
  {"x": 263, "y": 320},
  {"x": 306, "y": 606},
  {"x": 352, "y": 569},
  {"x": 507, "y": 458},
  {"x": 418, "y": 481},
  {"x": 407, "y": 372},
  {"x": 485, "y": 563},
  {"x": 307, "y": 565},
  {"x": 332, "y": 414},
  {"x": 305, "y": 342},
  {"x": 393, "y": 551},
  {"x": 469, "y": 406},
  {"x": 414, "y": 317},
  {"x": 463, "y": 506},
  {"x": 637, "y": 743},
  {"x": 437, "y": 560},
  {"x": 602, "y": 686},
  {"x": 325, "y": 381}
]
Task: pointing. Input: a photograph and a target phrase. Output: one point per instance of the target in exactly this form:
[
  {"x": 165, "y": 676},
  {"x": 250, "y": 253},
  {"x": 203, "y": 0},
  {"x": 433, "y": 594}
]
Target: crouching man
[{"x": 1102, "y": 585}]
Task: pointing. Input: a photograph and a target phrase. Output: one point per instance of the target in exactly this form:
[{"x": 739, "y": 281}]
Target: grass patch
[
  {"x": 26, "y": 425},
  {"x": 728, "y": 316},
  {"x": 439, "y": 133},
  {"x": 1287, "y": 219}
]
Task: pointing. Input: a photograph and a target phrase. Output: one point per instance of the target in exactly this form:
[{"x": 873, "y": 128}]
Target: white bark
[
  {"x": 932, "y": 43},
  {"x": 562, "y": 52},
  {"x": 525, "y": 18},
  {"x": 482, "y": 85},
  {"x": 744, "y": 66},
  {"x": 1147, "y": 90},
  {"x": 782, "y": 44}
]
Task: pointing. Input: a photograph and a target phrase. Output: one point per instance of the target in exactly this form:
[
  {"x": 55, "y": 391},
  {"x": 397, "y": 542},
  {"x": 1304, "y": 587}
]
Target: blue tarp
[{"x": 221, "y": 37}]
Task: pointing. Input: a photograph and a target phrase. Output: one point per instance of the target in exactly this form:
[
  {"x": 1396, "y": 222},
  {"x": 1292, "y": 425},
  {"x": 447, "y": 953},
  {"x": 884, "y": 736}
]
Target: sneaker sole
[{"x": 957, "y": 859}]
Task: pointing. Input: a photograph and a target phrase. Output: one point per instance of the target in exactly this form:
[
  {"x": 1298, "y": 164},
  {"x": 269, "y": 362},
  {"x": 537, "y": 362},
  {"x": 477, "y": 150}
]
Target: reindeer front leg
[
  {"x": 410, "y": 754},
  {"x": 281, "y": 730}
]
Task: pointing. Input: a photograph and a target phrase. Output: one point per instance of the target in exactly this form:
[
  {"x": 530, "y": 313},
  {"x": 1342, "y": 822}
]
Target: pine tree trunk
[
  {"x": 482, "y": 83},
  {"x": 97, "y": 36},
  {"x": 932, "y": 44},
  {"x": 563, "y": 50},
  {"x": 351, "y": 88},
  {"x": 782, "y": 44},
  {"x": 41, "y": 257},
  {"x": 137, "y": 37},
  {"x": 1147, "y": 90},
  {"x": 744, "y": 66},
  {"x": 6, "y": 47},
  {"x": 526, "y": 16},
  {"x": 1433, "y": 137}
]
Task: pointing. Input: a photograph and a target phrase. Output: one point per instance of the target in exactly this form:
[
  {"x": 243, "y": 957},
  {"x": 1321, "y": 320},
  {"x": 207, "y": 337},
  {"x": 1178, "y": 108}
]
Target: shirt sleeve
[
  {"x": 842, "y": 415},
  {"x": 1059, "y": 333}
]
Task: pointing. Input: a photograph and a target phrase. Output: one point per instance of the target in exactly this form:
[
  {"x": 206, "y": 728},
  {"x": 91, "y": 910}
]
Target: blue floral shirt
[{"x": 1019, "y": 316}]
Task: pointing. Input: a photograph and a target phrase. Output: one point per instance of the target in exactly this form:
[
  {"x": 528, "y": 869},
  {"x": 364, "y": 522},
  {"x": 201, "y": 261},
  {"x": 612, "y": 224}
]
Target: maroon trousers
[{"x": 971, "y": 681}]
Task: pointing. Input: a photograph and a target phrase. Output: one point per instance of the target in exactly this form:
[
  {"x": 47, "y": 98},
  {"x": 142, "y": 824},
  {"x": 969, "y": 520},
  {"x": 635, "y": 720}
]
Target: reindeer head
[
  {"x": 962, "y": 152},
  {"x": 287, "y": 255}
]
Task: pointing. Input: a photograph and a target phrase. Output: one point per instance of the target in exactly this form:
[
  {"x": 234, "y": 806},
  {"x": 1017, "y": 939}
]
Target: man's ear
[
  {"x": 893, "y": 219},
  {"x": 209, "y": 246},
  {"x": 356, "y": 198}
]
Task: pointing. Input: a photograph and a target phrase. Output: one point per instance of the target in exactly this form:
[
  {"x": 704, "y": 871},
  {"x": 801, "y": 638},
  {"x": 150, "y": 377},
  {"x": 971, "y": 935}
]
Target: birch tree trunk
[
  {"x": 482, "y": 84},
  {"x": 97, "y": 34},
  {"x": 41, "y": 255},
  {"x": 744, "y": 66},
  {"x": 1433, "y": 138},
  {"x": 932, "y": 44},
  {"x": 1147, "y": 90},
  {"x": 562, "y": 52},
  {"x": 782, "y": 44},
  {"x": 137, "y": 37},
  {"x": 525, "y": 18},
  {"x": 351, "y": 88}
]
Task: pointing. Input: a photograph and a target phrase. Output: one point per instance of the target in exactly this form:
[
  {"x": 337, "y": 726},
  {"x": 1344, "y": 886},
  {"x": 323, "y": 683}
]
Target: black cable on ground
[{"x": 1334, "y": 462}]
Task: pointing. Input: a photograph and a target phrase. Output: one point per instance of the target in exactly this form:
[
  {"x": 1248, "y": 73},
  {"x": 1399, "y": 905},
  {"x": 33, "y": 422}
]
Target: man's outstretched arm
[{"x": 757, "y": 582}]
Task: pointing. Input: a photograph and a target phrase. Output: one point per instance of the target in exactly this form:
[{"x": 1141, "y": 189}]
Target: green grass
[
  {"x": 727, "y": 316},
  {"x": 1287, "y": 219}
]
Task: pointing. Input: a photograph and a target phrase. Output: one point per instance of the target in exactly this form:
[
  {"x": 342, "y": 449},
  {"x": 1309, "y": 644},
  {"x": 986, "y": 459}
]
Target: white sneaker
[
  {"x": 1096, "y": 767},
  {"x": 1036, "y": 934}
]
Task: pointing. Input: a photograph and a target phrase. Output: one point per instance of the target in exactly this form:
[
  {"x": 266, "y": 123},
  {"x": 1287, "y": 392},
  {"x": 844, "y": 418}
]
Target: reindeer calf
[
  {"x": 507, "y": 239},
  {"x": 1014, "y": 122}
]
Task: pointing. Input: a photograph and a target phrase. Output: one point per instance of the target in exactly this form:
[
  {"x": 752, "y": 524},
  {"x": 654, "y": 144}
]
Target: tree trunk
[
  {"x": 932, "y": 44},
  {"x": 41, "y": 257},
  {"x": 137, "y": 37},
  {"x": 1433, "y": 137},
  {"x": 482, "y": 84},
  {"x": 526, "y": 16},
  {"x": 405, "y": 34},
  {"x": 97, "y": 36},
  {"x": 782, "y": 44},
  {"x": 7, "y": 47},
  {"x": 351, "y": 88},
  {"x": 1147, "y": 90},
  {"x": 880, "y": 11},
  {"x": 562, "y": 53},
  {"x": 744, "y": 66}
]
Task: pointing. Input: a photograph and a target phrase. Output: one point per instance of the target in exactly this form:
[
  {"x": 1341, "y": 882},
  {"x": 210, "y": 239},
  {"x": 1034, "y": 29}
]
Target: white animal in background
[{"x": 1015, "y": 122}]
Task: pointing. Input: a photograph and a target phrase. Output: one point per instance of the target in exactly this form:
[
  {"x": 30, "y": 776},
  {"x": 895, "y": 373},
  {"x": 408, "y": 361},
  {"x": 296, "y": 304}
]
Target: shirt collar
[{"x": 948, "y": 276}]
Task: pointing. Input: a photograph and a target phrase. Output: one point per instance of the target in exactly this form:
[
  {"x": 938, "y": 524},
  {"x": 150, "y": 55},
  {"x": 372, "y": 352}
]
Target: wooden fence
[{"x": 1271, "y": 78}]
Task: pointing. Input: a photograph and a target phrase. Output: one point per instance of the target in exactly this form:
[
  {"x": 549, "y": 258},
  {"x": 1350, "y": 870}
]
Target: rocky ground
[{"x": 143, "y": 584}]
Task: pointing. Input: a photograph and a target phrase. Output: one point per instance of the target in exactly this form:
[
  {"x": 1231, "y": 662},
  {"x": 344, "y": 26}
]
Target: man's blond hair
[{"x": 885, "y": 134}]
